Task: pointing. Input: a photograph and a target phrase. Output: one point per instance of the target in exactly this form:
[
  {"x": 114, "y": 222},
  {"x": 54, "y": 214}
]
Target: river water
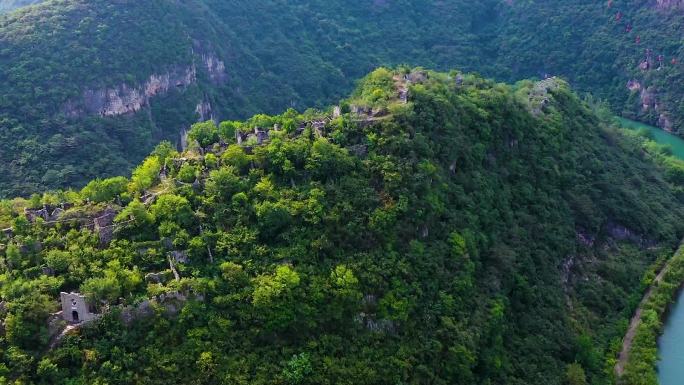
[{"x": 671, "y": 343}]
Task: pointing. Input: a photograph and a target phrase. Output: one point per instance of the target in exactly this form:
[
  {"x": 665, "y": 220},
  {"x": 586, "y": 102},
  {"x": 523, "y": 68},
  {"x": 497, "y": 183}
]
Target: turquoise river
[{"x": 671, "y": 343}]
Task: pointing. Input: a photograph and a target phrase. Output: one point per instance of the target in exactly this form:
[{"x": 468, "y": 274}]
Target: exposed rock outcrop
[
  {"x": 634, "y": 85},
  {"x": 215, "y": 67},
  {"x": 125, "y": 98},
  {"x": 204, "y": 110},
  {"x": 619, "y": 232},
  {"x": 665, "y": 123},
  {"x": 648, "y": 98}
]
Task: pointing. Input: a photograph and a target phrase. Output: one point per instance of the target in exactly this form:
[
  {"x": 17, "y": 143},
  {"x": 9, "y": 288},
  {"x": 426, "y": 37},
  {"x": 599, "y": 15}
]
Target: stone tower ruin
[{"x": 75, "y": 308}]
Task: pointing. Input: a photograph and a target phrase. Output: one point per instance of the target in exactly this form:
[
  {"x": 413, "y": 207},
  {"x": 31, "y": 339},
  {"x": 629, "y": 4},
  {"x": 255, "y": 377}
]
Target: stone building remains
[{"x": 75, "y": 308}]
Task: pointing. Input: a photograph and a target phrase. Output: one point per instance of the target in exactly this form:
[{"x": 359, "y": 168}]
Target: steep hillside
[
  {"x": 433, "y": 228},
  {"x": 627, "y": 51},
  {"x": 89, "y": 87}
]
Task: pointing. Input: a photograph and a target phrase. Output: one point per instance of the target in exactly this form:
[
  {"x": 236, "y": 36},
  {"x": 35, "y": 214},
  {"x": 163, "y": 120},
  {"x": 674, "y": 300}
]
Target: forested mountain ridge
[
  {"x": 432, "y": 228},
  {"x": 628, "y": 52},
  {"x": 89, "y": 87}
]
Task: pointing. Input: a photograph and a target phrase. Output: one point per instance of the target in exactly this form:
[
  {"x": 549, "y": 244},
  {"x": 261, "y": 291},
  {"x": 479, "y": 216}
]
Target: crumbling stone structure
[{"x": 75, "y": 308}]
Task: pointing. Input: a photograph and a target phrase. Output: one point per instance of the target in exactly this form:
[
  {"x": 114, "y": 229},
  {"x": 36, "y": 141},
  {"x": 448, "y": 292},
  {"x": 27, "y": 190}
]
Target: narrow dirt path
[{"x": 634, "y": 324}]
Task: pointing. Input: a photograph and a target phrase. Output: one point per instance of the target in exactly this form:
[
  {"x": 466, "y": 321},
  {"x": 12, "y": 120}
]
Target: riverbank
[
  {"x": 658, "y": 135},
  {"x": 638, "y": 365},
  {"x": 634, "y": 323},
  {"x": 638, "y": 358},
  {"x": 671, "y": 344}
]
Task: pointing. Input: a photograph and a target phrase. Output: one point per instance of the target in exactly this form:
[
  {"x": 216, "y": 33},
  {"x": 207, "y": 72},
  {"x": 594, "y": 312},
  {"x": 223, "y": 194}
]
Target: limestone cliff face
[
  {"x": 648, "y": 99},
  {"x": 215, "y": 67},
  {"x": 126, "y": 99},
  {"x": 651, "y": 105},
  {"x": 204, "y": 111}
]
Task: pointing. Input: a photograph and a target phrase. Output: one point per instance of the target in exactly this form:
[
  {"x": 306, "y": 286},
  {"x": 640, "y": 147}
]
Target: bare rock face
[
  {"x": 633, "y": 85},
  {"x": 648, "y": 98},
  {"x": 665, "y": 123},
  {"x": 183, "y": 138},
  {"x": 215, "y": 67},
  {"x": 126, "y": 99},
  {"x": 204, "y": 111}
]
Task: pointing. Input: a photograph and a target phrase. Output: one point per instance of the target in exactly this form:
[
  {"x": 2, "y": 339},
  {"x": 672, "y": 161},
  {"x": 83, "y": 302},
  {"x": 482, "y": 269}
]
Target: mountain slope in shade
[
  {"x": 110, "y": 79},
  {"x": 627, "y": 52}
]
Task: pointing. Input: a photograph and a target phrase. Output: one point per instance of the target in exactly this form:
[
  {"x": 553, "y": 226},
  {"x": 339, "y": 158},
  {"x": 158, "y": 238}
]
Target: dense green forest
[
  {"x": 661, "y": 283},
  {"x": 435, "y": 228},
  {"x": 272, "y": 56},
  {"x": 90, "y": 87},
  {"x": 626, "y": 51}
]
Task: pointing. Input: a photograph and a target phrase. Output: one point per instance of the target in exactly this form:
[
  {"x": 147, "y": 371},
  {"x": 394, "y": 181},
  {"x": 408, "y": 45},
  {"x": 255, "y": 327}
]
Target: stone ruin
[
  {"x": 417, "y": 76},
  {"x": 104, "y": 226},
  {"x": 179, "y": 256},
  {"x": 541, "y": 94},
  {"x": 76, "y": 309},
  {"x": 102, "y": 223},
  {"x": 77, "y": 312},
  {"x": 160, "y": 277},
  {"x": 171, "y": 304},
  {"x": 361, "y": 110},
  {"x": 258, "y": 136},
  {"x": 48, "y": 213}
]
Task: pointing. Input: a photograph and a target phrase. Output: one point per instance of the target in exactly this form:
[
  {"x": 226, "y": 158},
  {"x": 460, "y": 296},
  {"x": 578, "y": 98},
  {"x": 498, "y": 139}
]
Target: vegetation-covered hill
[
  {"x": 626, "y": 51},
  {"x": 436, "y": 228},
  {"x": 89, "y": 87}
]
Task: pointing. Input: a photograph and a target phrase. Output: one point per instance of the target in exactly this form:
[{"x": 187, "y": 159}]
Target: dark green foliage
[
  {"x": 453, "y": 250},
  {"x": 303, "y": 53},
  {"x": 276, "y": 55},
  {"x": 599, "y": 46}
]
